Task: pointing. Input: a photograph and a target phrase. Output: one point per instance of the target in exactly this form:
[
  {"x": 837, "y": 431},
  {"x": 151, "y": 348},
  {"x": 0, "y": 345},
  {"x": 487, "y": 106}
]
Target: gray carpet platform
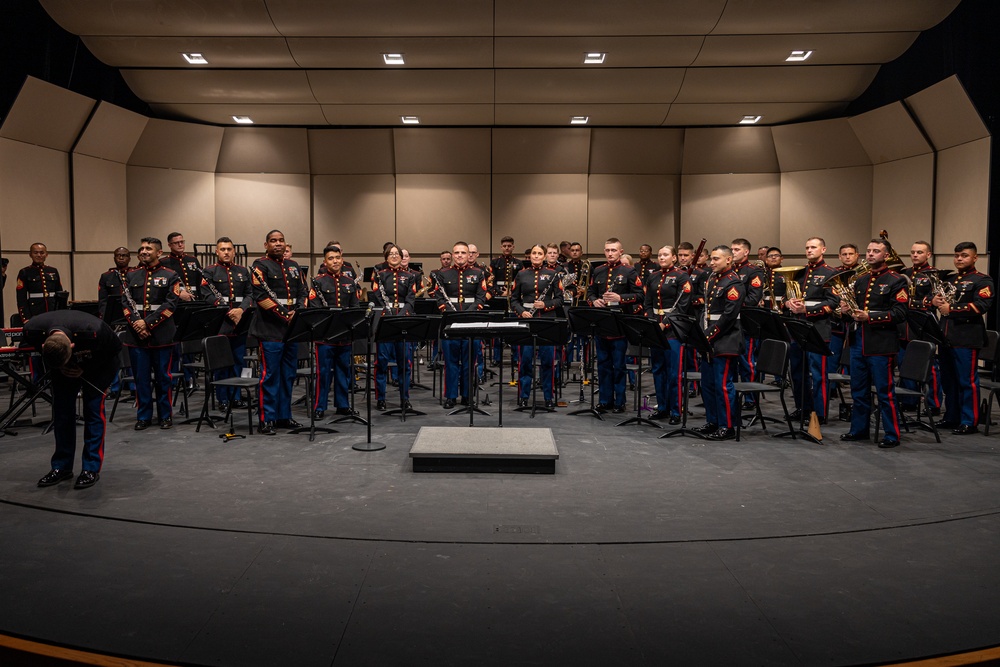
[
  {"x": 282, "y": 551},
  {"x": 516, "y": 450}
]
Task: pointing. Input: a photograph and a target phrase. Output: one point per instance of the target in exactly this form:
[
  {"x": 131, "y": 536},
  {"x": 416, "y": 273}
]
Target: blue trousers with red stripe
[
  {"x": 866, "y": 371},
  {"x": 238, "y": 345},
  {"x": 816, "y": 397},
  {"x": 546, "y": 361},
  {"x": 149, "y": 365},
  {"x": 402, "y": 354},
  {"x": 277, "y": 375},
  {"x": 456, "y": 369},
  {"x": 335, "y": 361},
  {"x": 611, "y": 370},
  {"x": 667, "y": 368},
  {"x": 64, "y": 392},
  {"x": 961, "y": 385},
  {"x": 748, "y": 363},
  {"x": 717, "y": 378}
]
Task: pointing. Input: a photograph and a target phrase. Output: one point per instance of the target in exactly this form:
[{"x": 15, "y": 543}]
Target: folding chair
[
  {"x": 916, "y": 367},
  {"x": 218, "y": 355},
  {"x": 772, "y": 359}
]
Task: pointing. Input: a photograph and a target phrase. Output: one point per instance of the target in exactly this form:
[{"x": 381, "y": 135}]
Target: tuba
[
  {"x": 892, "y": 260},
  {"x": 792, "y": 288}
]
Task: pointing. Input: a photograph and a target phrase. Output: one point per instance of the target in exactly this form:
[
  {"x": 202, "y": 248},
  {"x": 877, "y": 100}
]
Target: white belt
[
  {"x": 662, "y": 311},
  {"x": 39, "y": 295},
  {"x": 454, "y": 299},
  {"x": 715, "y": 318},
  {"x": 225, "y": 300},
  {"x": 152, "y": 306}
]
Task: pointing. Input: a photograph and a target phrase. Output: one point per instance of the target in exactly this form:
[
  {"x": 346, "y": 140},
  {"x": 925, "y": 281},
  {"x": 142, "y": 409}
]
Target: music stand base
[
  {"x": 639, "y": 420},
  {"x": 683, "y": 431},
  {"x": 466, "y": 409},
  {"x": 587, "y": 411},
  {"x": 410, "y": 412},
  {"x": 368, "y": 446}
]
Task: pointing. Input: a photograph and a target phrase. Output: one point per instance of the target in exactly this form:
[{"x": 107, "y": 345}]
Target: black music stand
[
  {"x": 372, "y": 317},
  {"x": 924, "y": 326},
  {"x": 355, "y": 324},
  {"x": 544, "y": 331},
  {"x": 32, "y": 392},
  {"x": 471, "y": 317},
  {"x": 401, "y": 330},
  {"x": 310, "y": 325},
  {"x": 197, "y": 322},
  {"x": 762, "y": 324},
  {"x": 809, "y": 340},
  {"x": 645, "y": 333},
  {"x": 688, "y": 330},
  {"x": 113, "y": 311},
  {"x": 592, "y": 322},
  {"x": 429, "y": 307}
]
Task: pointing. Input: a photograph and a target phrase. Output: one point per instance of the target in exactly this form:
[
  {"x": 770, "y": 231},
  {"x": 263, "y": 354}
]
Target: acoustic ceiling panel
[
  {"x": 367, "y": 52},
  {"x": 442, "y": 151},
  {"x": 260, "y": 114},
  {"x": 111, "y": 133},
  {"x": 391, "y": 114},
  {"x": 729, "y": 150},
  {"x": 220, "y": 86},
  {"x": 825, "y": 144},
  {"x": 458, "y": 86},
  {"x": 782, "y": 16},
  {"x": 172, "y": 145},
  {"x": 349, "y": 18},
  {"x": 832, "y": 49},
  {"x": 636, "y": 151},
  {"x": 351, "y": 151},
  {"x": 541, "y": 151},
  {"x": 771, "y": 113},
  {"x": 610, "y": 86},
  {"x": 598, "y": 115},
  {"x": 889, "y": 133},
  {"x": 638, "y": 51},
  {"x": 592, "y": 17},
  {"x": 223, "y": 52},
  {"x": 947, "y": 114},
  {"x": 272, "y": 150},
  {"x": 162, "y": 17},
  {"x": 775, "y": 84},
  {"x": 46, "y": 115}
]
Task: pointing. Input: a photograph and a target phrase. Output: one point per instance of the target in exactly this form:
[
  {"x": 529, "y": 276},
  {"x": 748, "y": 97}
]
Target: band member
[
  {"x": 725, "y": 294},
  {"x": 333, "y": 359},
  {"x": 696, "y": 307},
  {"x": 564, "y": 252},
  {"x": 460, "y": 287},
  {"x": 775, "y": 290},
  {"x": 762, "y": 252},
  {"x": 816, "y": 306},
  {"x": 505, "y": 267},
  {"x": 838, "y": 329},
  {"x": 278, "y": 290},
  {"x": 184, "y": 265},
  {"x": 228, "y": 284},
  {"x": 37, "y": 285},
  {"x": 616, "y": 286},
  {"x": 552, "y": 262},
  {"x": 82, "y": 353},
  {"x": 109, "y": 285},
  {"x": 646, "y": 263},
  {"x": 537, "y": 292},
  {"x": 149, "y": 301},
  {"x": 962, "y": 322},
  {"x": 753, "y": 277},
  {"x": 667, "y": 291},
  {"x": 921, "y": 292},
  {"x": 882, "y": 297},
  {"x": 394, "y": 289},
  {"x": 490, "y": 290}
]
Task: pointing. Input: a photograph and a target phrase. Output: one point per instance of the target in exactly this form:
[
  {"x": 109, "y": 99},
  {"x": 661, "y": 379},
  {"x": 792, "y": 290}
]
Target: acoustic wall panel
[
  {"x": 835, "y": 204},
  {"x": 442, "y": 151},
  {"x": 903, "y": 201},
  {"x": 541, "y": 151},
  {"x": 176, "y": 145},
  {"x": 111, "y": 133},
  {"x": 266, "y": 150},
  {"x": 34, "y": 197},
  {"x": 963, "y": 190},
  {"x": 729, "y": 150},
  {"x": 435, "y": 210},
  {"x": 46, "y": 115},
  {"x": 87, "y": 270},
  {"x": 889, "y": 133},
  {"x": 947, "y": 114},
  {"x": 636, "y": 151},
  {"x": 100, "y": 204},
  {"x": 351, "y": 151},
  {"x": 161, "y": 201},
  {"x": 359, "y": 211},
  {"x": 636, "y": 209},
  {"x": 248, "y": 206},
  {"x": 539, "y": 208},
  {"x": 721, "y": 207},
  {"x": 824, "y": 144}
]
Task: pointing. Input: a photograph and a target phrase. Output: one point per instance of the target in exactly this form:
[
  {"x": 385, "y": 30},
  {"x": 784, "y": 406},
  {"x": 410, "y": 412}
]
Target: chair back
[
  {"x": 989, "y": 353},
  {"x": 217, "y": 353},
  {"x": 917, "y": 361},
  {"x": 192, "y": 346},
  {"x": 772, "y": 359}
]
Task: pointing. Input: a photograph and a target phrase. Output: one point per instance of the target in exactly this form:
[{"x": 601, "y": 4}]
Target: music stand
[
  {"x": 309, "y": 325},
  {"x": 545, "y": 331},
  {"x": 402, "y": 330},
  {"x": 471, "y": 334},
  {"x": 33, "y": 391},
  {"x": 113, "y": 311},
  {"x": 355, "y": 324},
  {"x": 642, "y": 332},
  {"x": 688, "y": 331},
  {"x": 924, "y": 326},
  {"x": 590, "y": 323},
  {"x": 372, "y": 317},
  {"x": 762, "y": 324},
  {"x": 429, "y": 307},
  {"x": 809, "y": 340},
  {"x": 197, "y": 322}
]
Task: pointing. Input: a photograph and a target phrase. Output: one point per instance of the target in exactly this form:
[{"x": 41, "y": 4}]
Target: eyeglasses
[{"x": 394, "y": 254}]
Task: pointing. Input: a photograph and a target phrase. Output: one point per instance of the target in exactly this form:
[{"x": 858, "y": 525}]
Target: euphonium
[
  {"x": 843, "y": 286},
  {"x": 792, "y": 288},
  {"x": 946, "y": 290},
  {"x": 892, "y": 260}
]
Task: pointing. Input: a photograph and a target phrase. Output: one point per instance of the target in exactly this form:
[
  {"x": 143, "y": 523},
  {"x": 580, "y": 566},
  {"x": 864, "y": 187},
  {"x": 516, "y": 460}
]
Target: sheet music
[{"x": 497, "y": 326}]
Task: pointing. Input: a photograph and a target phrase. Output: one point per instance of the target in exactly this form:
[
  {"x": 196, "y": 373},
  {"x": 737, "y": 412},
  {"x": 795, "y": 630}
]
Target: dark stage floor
[{"x": 281, "y": 551}]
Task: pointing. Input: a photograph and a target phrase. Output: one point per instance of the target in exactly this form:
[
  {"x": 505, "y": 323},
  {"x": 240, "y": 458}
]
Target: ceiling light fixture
[
  {"x": 798, "y": 56},
  {"x": 243, "y": 120},
  {"x": 594, "y": 58},
  {"x": 750, "y": 120},
  {"x": 410, "y": 120},
  {"x": 393, "y": 58},
  {"x": 579, "y": 120},
  {"x": 195, "y": 58}
]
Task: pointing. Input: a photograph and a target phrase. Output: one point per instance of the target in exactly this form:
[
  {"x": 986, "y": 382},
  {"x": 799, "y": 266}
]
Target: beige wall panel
[
  {"x": 729, "y": 150},
  {"x": 351, "y": 151},
  {"x": 267, "y": 150},
  {"x": 87, "y": 270},
  {"x": 100, "y": 203},
  {"x": 435, "y": 210},
  {"x": 161, "y": 201},
  {"x": 636, "y": 151},
  {"x": 541, "y": 151},
  {"x": 442, "y": 151},
  {"x": 112, "y": 133},
  {"x": 824, "y": 144},
  {"x": 46, "y": 115},
  {"x": 903, "y": 200},
  {"x": 947, "y": 114},
  {"x": 721, "y": 207},
  {"x": 634, "y": 208},
  {"x": 963, "y": 191},
  {"x": 359, "y": 211},
  {"x": 34, "y": 197},
  {"x": 248, "y": 206},
  {"x": 539, "y": 208},
  {"x": 889, "y": 133},
  {"x": 175, "y": 145},
  {"x": 833, "y": 203}
]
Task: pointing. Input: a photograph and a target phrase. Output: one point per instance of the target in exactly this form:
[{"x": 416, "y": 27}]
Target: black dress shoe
[
  {"x": 602, "y": 407},
  {"x": 345, "y": 412},
  {"x": 287, "y": 423},
  {"x": 166, "y": 423},
  {"x": 675, "y": 420},
  {"x": 851, "y": 437},
  {"x": 266, "y": 428},
  {"x": 319, "y": 414},
  {"x": 224, "y": 407},
  {"x": 549, "y": 403},
  {"x": 618, "y": 409},
  {"x": 380, "y": 405},
  {"x": 239, "y": 405},
  {"x": 54, "y": 476},
  {"x": 449, "y": 403},
  {"x": 142, "y": 425},
  {"x": 522, "y": 402},
  {"x": 660, "y": 415},
  {"x": 966, "y": 429},
  {"x": 407, "y": 405},
  {"x": 888, "y": 443},
  {"x": 723, "y": 434},
  {"x": 86, "y": 478},
  {"x": 707, "y": 429},
  {"x": 944, "y": 423},
  {"x": 465, "y": 400},
  {"x": 795, "y": 415}
]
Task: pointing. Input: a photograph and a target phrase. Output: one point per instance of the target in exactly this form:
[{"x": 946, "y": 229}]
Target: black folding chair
[
  {"x": 125, "y": 376},
  {"x": 218, "y": 355},
  {"x": 916, "y": 367},
  {"x": 990, "y": 385},
  {"x": 772, "y": 359}
]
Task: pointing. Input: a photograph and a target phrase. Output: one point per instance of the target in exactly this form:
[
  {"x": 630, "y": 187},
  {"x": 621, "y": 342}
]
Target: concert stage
[{"x": 637, "y": 550}]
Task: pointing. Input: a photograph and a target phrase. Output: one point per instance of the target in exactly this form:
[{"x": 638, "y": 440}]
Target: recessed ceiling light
[
  {"x": 579, "y": 120},
  {"x": 750, "y": 120},
  {"x": 393, "y": 58},
  {"x": 798, "y": 56},
  {"x": 594, "y": 58},
  {"x": 195, "y": 58},
  {"x": 243, "y": 120},
  {"x": 410, "y": 120}
]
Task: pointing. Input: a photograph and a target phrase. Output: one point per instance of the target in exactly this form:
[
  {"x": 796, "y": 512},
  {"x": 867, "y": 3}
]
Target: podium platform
[{"x": 504, "y": 450}]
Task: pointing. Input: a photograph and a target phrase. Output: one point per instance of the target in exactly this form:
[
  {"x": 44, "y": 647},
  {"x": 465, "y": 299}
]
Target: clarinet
[
  {"x": 381, "y": 290},
  {"x": 441, "y": 287},
  {"x": 211, "y": 288},
  {"x": 319, "y": 292},
  {"x": 548, "y": 290},
  {"x": 270, "y": 292}
]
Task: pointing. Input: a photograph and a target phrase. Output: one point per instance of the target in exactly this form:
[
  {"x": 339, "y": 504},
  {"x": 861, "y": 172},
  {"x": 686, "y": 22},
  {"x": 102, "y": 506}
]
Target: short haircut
[
  {"x": 507, "y": 239},
  {"x": 822, "y": 242},
  {"x": 224, "y": 239},
  {"x": 336, "y": 243},
  {"x": 151, "y": 240},
  {"x": 923, "y": 243},
  {"x": 612, "y": 240},
  {"x": 882, "y": 242},
  {"x": 551, "y": 245},
  {"x": 575, "y": 243},
  {"x": 445, "y": 252},
  {"x": 743, "y": 243},
  {"x": 56, "y": 351},
  {"x": 774, "y": 248},
  {"x": 268, "y": 235},
  {"x": 967, "y": 245},
  {"x": 458, "y": 243},
  {"x": 684, "y": 245},
  {"x": 646, "y": 245},
  {"x": 724, "y": 249},
  {"x": 39, "y": 243},
  {"x": 121, "y": 247},
  {"x": 331, "y": 248},
  {"x": 172, "y": 235},
  {"x": 849, "y": 245},
  {"x": 386, "y": 245},
  {"x": 564, "y": 244}
]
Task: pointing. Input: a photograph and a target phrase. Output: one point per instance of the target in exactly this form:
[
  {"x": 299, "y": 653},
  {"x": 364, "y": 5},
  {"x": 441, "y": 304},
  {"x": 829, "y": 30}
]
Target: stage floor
[{"x": 282, "y": 551}]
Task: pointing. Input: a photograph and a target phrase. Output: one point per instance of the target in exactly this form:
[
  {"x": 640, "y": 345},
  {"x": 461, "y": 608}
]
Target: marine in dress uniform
[
  {"x": 965, "y": 331},
  {"x": 278, "y": 290},
  {"x": 537, "y": 288},
  {"x": 37, "y": 285},
  {"x": 838, "y": 329},
  {"x": 668, "y": 290},
  {"x": 883, "y": 297},
  {"x": 400, "y": 288},
  {"x": 921, "y": 292},
  {"x": 696, "y": 307},
  {"x": 333, "y": 289},
  {"x": 460, "y": 287},
  {"x": 188, "y": 270},
  {"x": 616, "y": 286},
  {"x": 86, "y": 368},
  {"x": 725, "y": 294},
  {"x": 646, "y": 263},
  {"x": 149, "y": 302},
  {"x": 109, "y": 285},
  {"x": 753, "y": 279},
  {"x": 503, "y": 269},
  {"x": 228, "y": 284}
]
